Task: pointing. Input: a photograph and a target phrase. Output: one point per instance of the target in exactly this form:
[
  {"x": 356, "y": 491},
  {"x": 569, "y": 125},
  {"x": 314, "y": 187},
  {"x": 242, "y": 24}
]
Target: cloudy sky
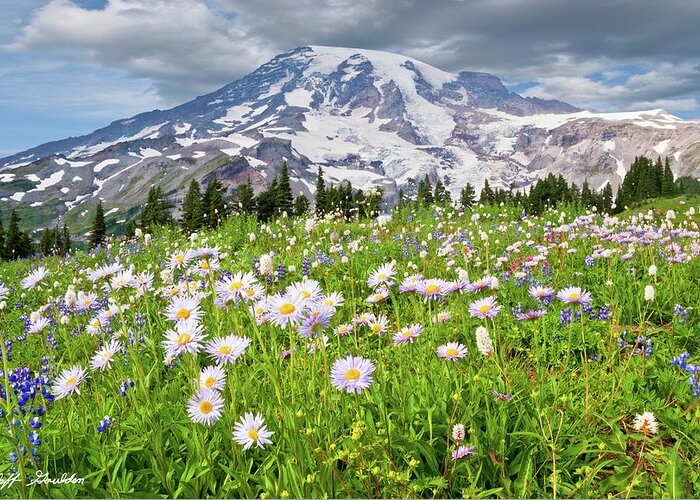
[{"x": 70, "y": 66}]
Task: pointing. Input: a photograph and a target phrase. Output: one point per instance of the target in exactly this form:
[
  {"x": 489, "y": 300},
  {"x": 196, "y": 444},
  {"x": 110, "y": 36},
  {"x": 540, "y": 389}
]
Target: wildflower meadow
[{"x": 432, "y": 352}]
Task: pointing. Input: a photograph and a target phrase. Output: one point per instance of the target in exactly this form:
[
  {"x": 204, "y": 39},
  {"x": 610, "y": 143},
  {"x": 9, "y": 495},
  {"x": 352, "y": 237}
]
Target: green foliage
[
  {"x": 98, "y": 231},
  {"x": 191, "y": 212},
  {"x": 467, "y": 196},
  {"x": 214, "y": 206},
  {"x": 17, "y": 244},
  {"x": 156, "y": 211}
]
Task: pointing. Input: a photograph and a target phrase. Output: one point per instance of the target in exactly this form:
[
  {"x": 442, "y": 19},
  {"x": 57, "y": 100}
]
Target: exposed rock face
[{"x": 372, "y": 118}]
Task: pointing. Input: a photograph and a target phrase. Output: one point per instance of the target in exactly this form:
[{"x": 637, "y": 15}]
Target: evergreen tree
[
  {"x": 245, "y": 197},
  {"x": 467, "y": 196},
  {"x": 267, "y": 202},
  {"x": 192, "y": 209},
  {"x": 18, "y": 245},
  {"x": 99, "y": 229},
  {"x": 401, "y": 202},
  {"x": 156, "y": 212},
  {"x": 65, "y": 241},
  {"x": 285, "y": 198},
  {"x": 607, "y": 198},
  {"x": 130, "y": 228},
  {"x": 441, "y": 195},
  {"x": 586, "y": 195},
  {"x": 320, "y": 197},
  {"x": 425, "y": 192},
  {"x": 2, "y": 240},
  {"x": 487, "y": 194},
  {"x": 668, "y": 187},
  {"x": 46, "y": 242},
  {"x": 301, "y": 205},
  {"x": 214, "y": 208}
]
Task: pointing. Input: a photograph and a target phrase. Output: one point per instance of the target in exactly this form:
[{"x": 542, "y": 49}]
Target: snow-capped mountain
[{"x": 373, "y": 118}]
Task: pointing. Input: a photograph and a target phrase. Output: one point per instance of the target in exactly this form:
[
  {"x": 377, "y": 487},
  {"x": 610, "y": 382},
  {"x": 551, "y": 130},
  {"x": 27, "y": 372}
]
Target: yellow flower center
[
  {"x": 304, "y": 294},
  {"x": 431, "y": 289},
  {"x": 376, "y": 328},
  {"x": 287, "y": 308},
  {"x": 328, "y": 302},
  {"x": 378, "y": 297},
  {"x": 209, "y": 382},
  {"x": 408, "y": 334},
  {"x": 250, "y": 292},
  {"x": 381, "y": 276},
  {"x": 484, "y": 309},
  {"x": 253, "y": 434},
  {"x": 205, "y": 407},
  {"x": 236, "y": 285},
  {"x": 352, "y": 374},
  {"x": 71, "y": 381},
  {"x": 183, "y": 313},
  {"x": 574, "y": 296},
  {"x": 451, "y": 352},
  {"x": 174, "y": 291},
  {"x": 204, "y": 265},
  {"x": 96, "y": 324},
  {"x": 183, "y": 339},
  {"x": 180, "y": 259},
  {"x": 225, "y": 350}
]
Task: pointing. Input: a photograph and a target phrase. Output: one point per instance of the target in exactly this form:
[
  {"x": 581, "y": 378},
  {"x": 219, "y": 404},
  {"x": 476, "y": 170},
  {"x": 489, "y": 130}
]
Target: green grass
[{"x": 567, "y": 431}]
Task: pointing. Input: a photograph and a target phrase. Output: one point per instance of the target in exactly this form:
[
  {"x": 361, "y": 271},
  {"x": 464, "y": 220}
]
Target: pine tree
[
  {"x": 668, "y": 187},
  {"x": 467, "y": 196},
  {"x": 46, "y": 242},
  {"x": 99, "y": 229},
  {"x": 156, "y": 212},
  {"x": 192, "y": 209},
  {"x": 301, "y": 205},
  {"x": 425, "y": 192},
  {"x": 267, "y": 202},
  {"x": 245, "y": 197},
  {"x": 402, "y": 201},
  {"x": 586, "y": 195},
  {"x": 2, "y": 240},
  {"x": 320, "y": 197},
  {"x": 18, "y": 245},
  {"x": 214, "y": 208},
  {"x": 65, "y": 241},
  {"x": 607, "y": 198},
  {"x": 487, "y": 194},
  {"x": 441, "y": 195},
  {"x": 285, "y": 198}
]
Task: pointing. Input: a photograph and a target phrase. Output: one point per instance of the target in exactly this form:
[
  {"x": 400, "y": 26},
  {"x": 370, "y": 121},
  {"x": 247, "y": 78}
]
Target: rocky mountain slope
[{"x": 373, "y": 118}]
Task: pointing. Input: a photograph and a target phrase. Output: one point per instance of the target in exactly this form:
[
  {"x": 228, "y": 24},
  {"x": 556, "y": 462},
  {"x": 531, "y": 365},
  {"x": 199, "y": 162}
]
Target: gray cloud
[{"x": 647, "y": 50}]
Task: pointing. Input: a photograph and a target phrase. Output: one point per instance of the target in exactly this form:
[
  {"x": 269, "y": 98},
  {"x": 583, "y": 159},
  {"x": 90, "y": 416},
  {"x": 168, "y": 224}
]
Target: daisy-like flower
[
  {"x": 3, "y": 291},
  {"x": 531, "y": 315},
  {"x": 502, "y": 397},
  {"x": 407, "y": 334},
  {"x": 103, "y": 358},
  {"x": 483, "y": 341},
  {"x": 34, "y": 278},
  {"x": 212, "y": 377},
  {"x": 122, "y": 279},
  {"x": 317, "y": 320},
  {"x": 68, "y": 381},
  {"x": 334, "y": 300},
  {"x": 382, "y": 276},
  {"x": 227, "y": 349},
  {"x": 574, "y": 295},
  {"x": 143, "y": 282},
  {"x": 230, "y": 288},
  {"x": 379, "y": 325},
  {"x": 442, "y": 316},
  {"x": 104, "y": 271},
  {"x": 484, "y": 308},
  {"x": 481, "y": 284},
  {"x": 283, "y": 310},
  {"x": 183, "y": 308},
  {"x": 410, "y": 284},
  {"x": 38, "y": 325},
  {"x": 452, "y": 350},
  {"x": 378, "y": 296},
  {"x": 646, "y": 423},
  {"x": 186, "y": 337},
  {"x": 541, "y": 292},
  {"x": 344, "y": 329},
  {"x": 306, "y": 290},
  {"x": 86, "y": 300},
  {"x": 432, "y": 288},
  {"x": 205, "y": 407},
  {"x": 94, "y": 326},
  {"x": 363, "y": 319},
  {"x": 462, "y": 451},
  {"x": 179, "y": 259},
  {"x": 352, "y": 374},
  {"x": 253, "y": 293},
  {"x": 206, "y": 266},
  {"x": 252, "y": 431}
]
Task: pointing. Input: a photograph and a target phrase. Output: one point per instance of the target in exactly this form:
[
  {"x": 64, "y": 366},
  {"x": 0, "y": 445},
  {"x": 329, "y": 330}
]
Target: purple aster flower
[
  {"x": 462, "y": 451},
  {"x": 352, "y": 374},
  {"x": 484, "y": 308}
]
